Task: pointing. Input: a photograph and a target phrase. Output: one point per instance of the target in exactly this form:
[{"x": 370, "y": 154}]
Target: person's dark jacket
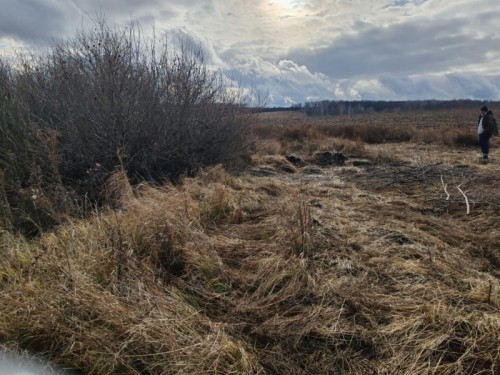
[{"x": 489, "y": 124}]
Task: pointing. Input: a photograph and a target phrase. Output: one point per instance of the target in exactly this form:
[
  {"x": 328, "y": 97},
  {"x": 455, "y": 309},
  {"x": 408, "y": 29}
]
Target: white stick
[
  {"x": 444, "y": 187},
  {"x": 466, "y": 199}
]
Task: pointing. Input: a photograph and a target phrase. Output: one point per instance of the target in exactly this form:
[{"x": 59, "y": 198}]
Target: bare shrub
[
  {"x": 31, "y": 197},
  {"x": 109, "y": 90},
  {"x": 109, "y": 99}
]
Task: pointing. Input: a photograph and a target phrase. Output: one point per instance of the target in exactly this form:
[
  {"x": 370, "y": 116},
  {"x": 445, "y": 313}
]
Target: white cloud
[{"x": 300, "y": 49}]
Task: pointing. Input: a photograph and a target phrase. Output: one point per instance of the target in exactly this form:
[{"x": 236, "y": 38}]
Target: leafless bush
[
  {"x": 29, "y": 180},
  {"x": 112, "y": 94},
  {"x": 108, "y": 99}
]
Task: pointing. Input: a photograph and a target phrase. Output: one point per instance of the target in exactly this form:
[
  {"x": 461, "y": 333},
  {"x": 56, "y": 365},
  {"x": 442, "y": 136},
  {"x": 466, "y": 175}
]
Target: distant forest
[{"x": 342, "y": 107}]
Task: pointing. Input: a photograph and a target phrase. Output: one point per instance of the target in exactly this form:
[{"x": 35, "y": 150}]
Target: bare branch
[
  {"x": 444, "y": 187},
  {"x": 466, "y": 199}
]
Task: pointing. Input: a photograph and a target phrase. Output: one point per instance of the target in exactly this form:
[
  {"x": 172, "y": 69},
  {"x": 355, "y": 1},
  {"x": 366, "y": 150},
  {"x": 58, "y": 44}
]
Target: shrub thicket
[
  {"x": 115, "y": 98},
  {"x": 30, "y": 188},
  {"x": 109, "y": 98}
]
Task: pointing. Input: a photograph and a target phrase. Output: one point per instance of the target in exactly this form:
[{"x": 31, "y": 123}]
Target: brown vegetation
[
  {"x": 103, "y": 101},
  {"x": 452, "y": 128},
  {"x": 286, "y": 268}
]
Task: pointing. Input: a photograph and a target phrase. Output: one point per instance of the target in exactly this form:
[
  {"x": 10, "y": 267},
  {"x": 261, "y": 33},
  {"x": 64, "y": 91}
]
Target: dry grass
[
  {"x": 284, "y": 133},
  {"x": 354, "y": 269}
]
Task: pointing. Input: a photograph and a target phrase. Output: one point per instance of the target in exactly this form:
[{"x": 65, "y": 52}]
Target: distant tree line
[
  {"x": 341, "y": 107},
  {"x": 295, "y": 107}
]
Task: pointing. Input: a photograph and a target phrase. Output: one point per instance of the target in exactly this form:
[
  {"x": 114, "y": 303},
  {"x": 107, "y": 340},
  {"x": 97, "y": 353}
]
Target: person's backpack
[{"x": 494, "y": 127}]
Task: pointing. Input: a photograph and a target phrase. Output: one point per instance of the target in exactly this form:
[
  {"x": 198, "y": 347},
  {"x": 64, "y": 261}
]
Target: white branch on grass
[
  {"x": 466, "y": 199},
  {"x": 444, "y": 187}
]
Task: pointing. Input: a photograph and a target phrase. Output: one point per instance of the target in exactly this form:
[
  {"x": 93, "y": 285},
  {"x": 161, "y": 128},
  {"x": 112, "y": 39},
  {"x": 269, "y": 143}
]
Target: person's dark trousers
[{"x": 484, "y": 142}]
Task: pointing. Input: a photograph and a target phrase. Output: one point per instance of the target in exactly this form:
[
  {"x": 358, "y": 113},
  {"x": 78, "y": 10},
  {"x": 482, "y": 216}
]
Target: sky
[{"x": 294, "y": 51}]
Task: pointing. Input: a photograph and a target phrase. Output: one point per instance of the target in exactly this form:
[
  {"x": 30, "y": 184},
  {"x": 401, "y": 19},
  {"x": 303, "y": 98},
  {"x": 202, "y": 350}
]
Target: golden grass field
[{"x": 370, "y": 267}]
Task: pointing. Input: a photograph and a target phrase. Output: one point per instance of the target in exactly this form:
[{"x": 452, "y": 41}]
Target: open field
[{"x": 302, "y": 262}]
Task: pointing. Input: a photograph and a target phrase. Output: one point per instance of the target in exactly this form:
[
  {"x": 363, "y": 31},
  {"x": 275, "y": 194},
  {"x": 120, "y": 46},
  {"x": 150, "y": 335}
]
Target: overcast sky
[{"x": 302, "y": 50}]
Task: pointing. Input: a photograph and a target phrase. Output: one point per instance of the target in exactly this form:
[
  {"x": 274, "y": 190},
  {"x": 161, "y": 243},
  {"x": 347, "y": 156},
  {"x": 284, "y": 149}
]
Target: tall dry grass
[
  {"x": 249, "y": 275},
  {"x": 298, "y": 133}
]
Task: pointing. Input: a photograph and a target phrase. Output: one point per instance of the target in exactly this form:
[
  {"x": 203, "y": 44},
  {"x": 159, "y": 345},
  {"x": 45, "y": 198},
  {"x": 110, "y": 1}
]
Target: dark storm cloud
[
  {"x": 32, "y": 21},
  {"x": 36, "y": 22},
  {"x": 123, "y": 10},
  {"x": 405, "y": 49}
]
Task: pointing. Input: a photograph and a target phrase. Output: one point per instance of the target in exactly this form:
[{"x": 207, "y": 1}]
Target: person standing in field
[{"x": 486, "y": 127}]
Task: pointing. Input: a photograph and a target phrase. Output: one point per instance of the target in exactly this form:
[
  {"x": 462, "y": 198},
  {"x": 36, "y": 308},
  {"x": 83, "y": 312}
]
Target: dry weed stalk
[
  {"x": 305, "y": 225},
  {"x": 299, "y": 230},
  {"x": 117, "y": 190}
]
